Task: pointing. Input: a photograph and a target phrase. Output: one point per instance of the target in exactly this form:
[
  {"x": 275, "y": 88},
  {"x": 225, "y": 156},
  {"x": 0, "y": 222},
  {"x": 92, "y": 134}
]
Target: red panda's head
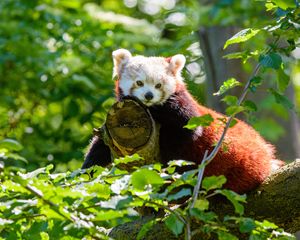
[{"x": 150, "y": 79}]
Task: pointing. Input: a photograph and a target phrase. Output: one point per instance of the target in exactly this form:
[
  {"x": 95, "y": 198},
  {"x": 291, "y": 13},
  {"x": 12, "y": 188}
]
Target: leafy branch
[{"x": 207, "y": 159}]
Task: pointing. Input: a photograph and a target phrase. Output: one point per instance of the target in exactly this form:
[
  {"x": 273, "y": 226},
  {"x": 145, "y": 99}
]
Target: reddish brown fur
[{"x": 245, "y": 158}]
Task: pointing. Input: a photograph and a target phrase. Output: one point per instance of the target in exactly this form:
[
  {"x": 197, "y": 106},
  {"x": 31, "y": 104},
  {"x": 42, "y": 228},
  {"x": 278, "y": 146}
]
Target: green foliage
[
  {"x": 174, "y": 224},
  {"x": 203, "y": 121},
  {"x": 55, "y": 73},
  {"x": 228, "y": 84},
  {"x": 242, "y": 36},
  {"x": 46, "y": 205},
  {"x": 56, "y": 68},
  {"x": 281, "y": 99},
  {"x": 271, "y": 60}
]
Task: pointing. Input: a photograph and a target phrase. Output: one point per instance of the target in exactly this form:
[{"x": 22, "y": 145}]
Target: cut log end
[{"x": 129, "y": 124}]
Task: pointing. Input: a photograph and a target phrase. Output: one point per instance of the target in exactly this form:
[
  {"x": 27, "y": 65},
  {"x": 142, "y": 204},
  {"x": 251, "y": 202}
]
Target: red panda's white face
[{"x": 150, "y": 79}]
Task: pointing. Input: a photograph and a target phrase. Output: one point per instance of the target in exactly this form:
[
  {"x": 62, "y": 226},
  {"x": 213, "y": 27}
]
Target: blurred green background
[{"x": 55, "y": 68}]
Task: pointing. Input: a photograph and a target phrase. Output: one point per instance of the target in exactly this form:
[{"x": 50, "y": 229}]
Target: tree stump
[{"x": 130, "y": 129}]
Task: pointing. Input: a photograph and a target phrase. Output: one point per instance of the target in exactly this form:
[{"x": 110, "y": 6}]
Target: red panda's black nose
[{"x": 149, "y": 95}]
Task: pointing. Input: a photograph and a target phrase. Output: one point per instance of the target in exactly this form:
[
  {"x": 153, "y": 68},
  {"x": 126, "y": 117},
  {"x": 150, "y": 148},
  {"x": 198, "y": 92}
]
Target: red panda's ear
[
  {"x": 177, "y": 63},
  {"x": 120, "y": 57}
]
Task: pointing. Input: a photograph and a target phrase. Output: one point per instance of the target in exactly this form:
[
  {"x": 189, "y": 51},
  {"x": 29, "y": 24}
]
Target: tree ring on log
[{"x": 129, "y": 126}]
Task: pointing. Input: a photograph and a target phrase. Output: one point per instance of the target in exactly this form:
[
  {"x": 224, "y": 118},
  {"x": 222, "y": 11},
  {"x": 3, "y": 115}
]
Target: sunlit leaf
[
  {"x": 213, "y": 182},
  {"x": 230, "y": 100},
  {"x": 226, "y": 236},
  {"x": 143, "y": 177},
  {"x": 233, "y": 110},
  {"x": 128, "y": 159},
  {"x": 284, "y": 4},
  {"x": 202, "y": 204},
  {"x": 228, "y": 84},
  {"x": 11, "y": 145},
  {"x": 242, "y": 36}
]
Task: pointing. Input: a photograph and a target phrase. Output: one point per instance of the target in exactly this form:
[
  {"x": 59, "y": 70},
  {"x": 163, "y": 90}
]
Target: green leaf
[
  {"x": 11, "y": 145},
  {"x": 281, "y": 99},
  {"x": 250, "y": 106},
  {"x": 203, "y": 121},
  {"x": 230, "y": 100},
  {"x": 233, "y": 122},
  {"x": 13, "y": 156},
  {"x": 128, "y": 159},
  {"x": 271, "y": 60},
  {"x": 235, "y": 199},
  {"x": 143, "y": 177},
  {"x": 242, "y": 36},
  {"x": 44, "y": 236},
  {"x": 213, "y": 182},
  {"x": 226, "y": 236},
  {"x": 146, "y": 227},
  {"x": 228, "y": 84},
  {"x": 203, "y": 216},
  {"x": 179, "y": 163},
  {"x": 202, "y": 204},
  {"x": 233, "y": 110},
  {"x": 254, "y": 83},
  {"x": 283, "y": 80},
  {"x": 182, "y": 193},
  {"x": 5, "y": 222},
  {"x": 36, "y": 172},
  {"x": 266, "y": 224},
  {"x": 234, "y": 55},
  {"x": 108, "y": 215},
  {"x": 247, "y": 225},
  {"x": 285, "y": 4},
  {"x": 174, "y": 224}
]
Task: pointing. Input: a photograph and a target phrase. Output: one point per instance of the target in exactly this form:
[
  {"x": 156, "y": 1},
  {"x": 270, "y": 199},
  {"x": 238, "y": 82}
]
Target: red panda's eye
[
  {"x": 158, "y": 85},
  {"x": 139, "y": 83}
]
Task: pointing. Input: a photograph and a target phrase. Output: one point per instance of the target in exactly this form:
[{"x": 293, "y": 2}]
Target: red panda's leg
[{"x": 98, "y": 154}]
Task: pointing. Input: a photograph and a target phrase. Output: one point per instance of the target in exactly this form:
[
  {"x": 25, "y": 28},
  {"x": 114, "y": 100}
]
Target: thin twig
[
  {"x": 188, "y": 234},
  {"x": 27, "y": 216},
  {"x": 54, "y": 206},
  {"x": 207, "y": 159},
  {"x": 227, "y": 126},
  {"x": 181, "y": 218},
  {"x": 199, "y": 180}
]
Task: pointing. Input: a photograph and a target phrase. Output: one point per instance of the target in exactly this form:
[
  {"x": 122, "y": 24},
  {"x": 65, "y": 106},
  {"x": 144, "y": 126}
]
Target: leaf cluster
[{"x": 73, "y": 205}]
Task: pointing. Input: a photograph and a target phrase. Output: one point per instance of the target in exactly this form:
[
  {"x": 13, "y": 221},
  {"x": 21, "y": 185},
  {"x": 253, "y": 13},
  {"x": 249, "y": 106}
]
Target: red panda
[{"x": 156, "y": 81}]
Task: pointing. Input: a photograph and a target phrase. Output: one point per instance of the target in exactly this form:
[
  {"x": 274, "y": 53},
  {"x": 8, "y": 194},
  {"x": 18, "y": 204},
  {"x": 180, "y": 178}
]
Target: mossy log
[{"x": 129, "y": 129}]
